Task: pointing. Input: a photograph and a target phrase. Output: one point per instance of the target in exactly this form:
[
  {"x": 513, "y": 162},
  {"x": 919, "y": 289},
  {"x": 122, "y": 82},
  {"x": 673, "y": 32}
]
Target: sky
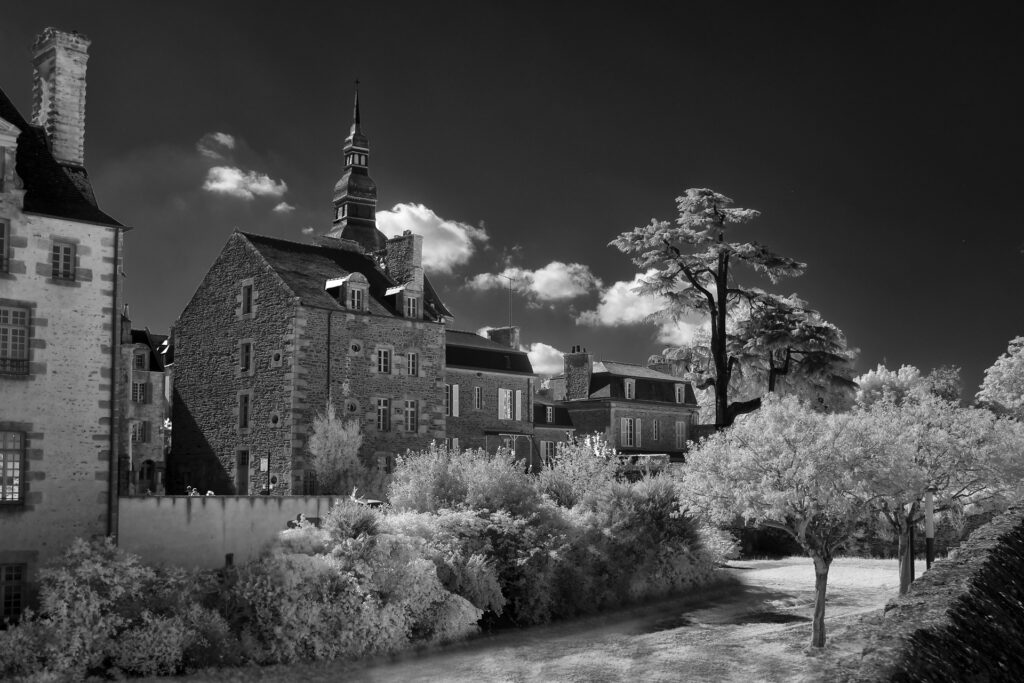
[{"x": 881, "y": 142}]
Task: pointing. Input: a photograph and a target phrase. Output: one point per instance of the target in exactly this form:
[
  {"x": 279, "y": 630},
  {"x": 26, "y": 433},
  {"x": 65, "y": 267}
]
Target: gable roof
[
  {"x": 630, "y": 370},
  {"x": 49, "y": 189},
  {"x": 470, "y": 350},
  {"x": 305, "y": 268}
]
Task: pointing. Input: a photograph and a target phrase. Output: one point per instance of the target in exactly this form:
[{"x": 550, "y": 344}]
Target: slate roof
[
  {"x": 470, "y": 350},
  {"x": 48, "y": 188},
  {"x": 153, "y": 341},
  {"x": 631, "y": 370},
  {"x": 306, "y": 267},
  {"x": 540, "y": 413}
]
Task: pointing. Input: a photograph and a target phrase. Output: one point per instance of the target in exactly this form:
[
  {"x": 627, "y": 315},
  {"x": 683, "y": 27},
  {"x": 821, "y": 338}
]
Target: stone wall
[
  {"x": 472, "y": 423},
  {"x": 201, "y": 531},
  {"x": 64, "y": 405},
  {"x": 961, "y": 621}
]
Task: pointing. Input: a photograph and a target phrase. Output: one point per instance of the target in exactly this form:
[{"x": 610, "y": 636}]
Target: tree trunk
[
  {"x": 906, "y": 556},
  {"x": 821, "y": 566}
]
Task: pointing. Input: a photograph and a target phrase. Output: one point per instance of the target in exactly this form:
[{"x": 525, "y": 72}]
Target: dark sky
[{"x": 882, "y": 142}]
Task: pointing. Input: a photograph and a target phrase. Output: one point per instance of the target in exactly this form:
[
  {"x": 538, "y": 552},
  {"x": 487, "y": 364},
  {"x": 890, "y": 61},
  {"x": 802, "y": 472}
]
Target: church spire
[{"x": 355, "y": 195}]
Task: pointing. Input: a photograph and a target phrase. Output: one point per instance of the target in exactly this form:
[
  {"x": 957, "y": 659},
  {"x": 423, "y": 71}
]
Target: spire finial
[{"x": 355, "y": 107}]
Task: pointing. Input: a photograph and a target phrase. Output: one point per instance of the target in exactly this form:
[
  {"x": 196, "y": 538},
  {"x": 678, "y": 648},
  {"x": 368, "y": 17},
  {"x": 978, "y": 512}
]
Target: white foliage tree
[{"x": 1002, "y": 389}]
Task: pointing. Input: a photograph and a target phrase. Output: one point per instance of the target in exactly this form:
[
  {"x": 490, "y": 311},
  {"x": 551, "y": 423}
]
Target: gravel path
[{"x": 754, "y": 631}]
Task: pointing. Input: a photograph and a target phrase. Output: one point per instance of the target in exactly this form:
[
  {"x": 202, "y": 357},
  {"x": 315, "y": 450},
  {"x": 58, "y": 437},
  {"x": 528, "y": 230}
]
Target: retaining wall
[
  {"x": 200, "y": 531},
  {"x": 961, "y": 621}
]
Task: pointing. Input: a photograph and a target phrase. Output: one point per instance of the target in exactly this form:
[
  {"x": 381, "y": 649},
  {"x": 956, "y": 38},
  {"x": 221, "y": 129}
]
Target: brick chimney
[
  {"x": 579, "y": 366},
  {"x": 58, "y": 92},
  {"x": 506, "y": 336},
  {"x": 405, "y": 260}
]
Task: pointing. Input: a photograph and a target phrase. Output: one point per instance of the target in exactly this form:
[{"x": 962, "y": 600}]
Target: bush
[{"x": 582, "y": 466}]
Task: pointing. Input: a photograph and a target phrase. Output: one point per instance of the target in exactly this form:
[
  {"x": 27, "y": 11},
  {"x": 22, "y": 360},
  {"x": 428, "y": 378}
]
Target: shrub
[
  {"x": 349, "y": 519},
  {"x": 427, "y": 481},
  {"x": 581, "y": 467},
  {"x": 721, "y": 546}
]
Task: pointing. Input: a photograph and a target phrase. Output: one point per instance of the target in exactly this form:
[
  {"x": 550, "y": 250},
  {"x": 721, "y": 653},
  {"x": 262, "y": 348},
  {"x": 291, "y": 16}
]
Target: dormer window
[
  {"x": 351, "y": 291},
  {"x": 680, "y": 393},
  {"x": 412, "y": 307},
  {"x": 355, "y": 299},
  {"x": 630, "y": 388}
]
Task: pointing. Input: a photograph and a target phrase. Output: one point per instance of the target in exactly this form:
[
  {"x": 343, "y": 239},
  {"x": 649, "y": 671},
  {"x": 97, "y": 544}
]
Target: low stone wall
[
  {"x": 201, "y": 531},
  {"x": 961, "y": 621}
]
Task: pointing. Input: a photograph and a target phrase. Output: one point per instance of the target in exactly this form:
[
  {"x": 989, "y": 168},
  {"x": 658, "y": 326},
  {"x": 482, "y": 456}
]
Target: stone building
[
  {"x": 145, "y": 385},
  {"x": 60, "y": 298},
  {"x": 638, "y": 410},
  {"x": 279, "y": 328},
  {"x": 489, "y": 387},
  {"x": 552, "y": 425}
]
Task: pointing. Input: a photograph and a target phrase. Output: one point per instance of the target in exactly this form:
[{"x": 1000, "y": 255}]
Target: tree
[
  {"x": 966, "y": 456},
  {"x": 334, "y": 447},
  {"x": 883, "y": 384},
  {"x": 1002, "y": 389},
  {"x": 787, "y": 467},
  {"x": 780, "y": 338},
  {"x": 692, "y": 264},
  {"x": 944, "y": 382}
]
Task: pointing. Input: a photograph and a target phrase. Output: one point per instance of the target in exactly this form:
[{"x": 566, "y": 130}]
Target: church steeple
[{"x": 355, "y": 195}]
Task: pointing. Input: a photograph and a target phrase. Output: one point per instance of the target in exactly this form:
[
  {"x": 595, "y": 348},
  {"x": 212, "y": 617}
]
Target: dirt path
[{"x": 756, "y": 631}]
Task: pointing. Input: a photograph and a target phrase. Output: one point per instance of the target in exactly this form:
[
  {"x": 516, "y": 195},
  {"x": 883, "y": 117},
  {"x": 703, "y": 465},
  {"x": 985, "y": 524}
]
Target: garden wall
[
  {"x": 962, "y": 620},
  {"x": 200, "y": 531}
]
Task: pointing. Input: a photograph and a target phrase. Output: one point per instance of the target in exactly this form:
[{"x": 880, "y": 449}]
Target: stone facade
[
  {"x": 60, "y": 295},
  {"x": 145, "y": 386},
  {"x": 240, "y": 426}
]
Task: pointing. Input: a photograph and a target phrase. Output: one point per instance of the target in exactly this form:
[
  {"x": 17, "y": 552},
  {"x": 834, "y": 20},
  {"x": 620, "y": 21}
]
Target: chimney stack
[
  {"x": 405, "y": 261},
  {"x": 58, "y": 92},
  {"x": 579, "y": 366},
  {"x": 507, "y": 336}
]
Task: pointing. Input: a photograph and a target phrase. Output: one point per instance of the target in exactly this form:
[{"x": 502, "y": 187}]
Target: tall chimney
[
  {"x": 405, "y": 260},
  {"x": 58, "y": 92},
  {"x": 579, "y": 366}
]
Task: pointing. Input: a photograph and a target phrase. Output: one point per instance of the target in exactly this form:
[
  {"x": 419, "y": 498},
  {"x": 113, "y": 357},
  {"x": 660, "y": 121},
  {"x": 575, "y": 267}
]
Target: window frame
[
  {"x": 412, "y": 306},
  {"x": 656, "y": 429},
  {"x": 384, "y": 361},
  {"x": 140, "y": 396},
  {"x": 63, "y": 256},
  {"x": 244, "y": 410},
  {"x": 356, "y": 299},
  {"x": 505, "y": 400},
  {"x": 13, "y": 590},
  {"x": 11, "y": 363},
  {"x": 680, "y": 434},
  {"x": 245, "y": 357},
  {"x": 12, "y": 465},
  {"x": 549, "y": 414},
  {"x": 478, "y": 398},
  {"x": 629, "y": 389},
  {"x": 383, "y": 415},
  {"x": 247, "y": 298},
  {"x": 412, "y": 364},
  {"x": 412, "y": 416},
  {"x": 680, "y": 393},
  {"x": 5, "y": 230}
]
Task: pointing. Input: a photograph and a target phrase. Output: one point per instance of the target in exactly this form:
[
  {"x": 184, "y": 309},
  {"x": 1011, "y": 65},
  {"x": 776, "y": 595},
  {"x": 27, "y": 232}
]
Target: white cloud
[
  {"x": 621, "y": 305},
  {"x": 556, "y": 281},
  {"x": 212, "y": 145},
  {"x": 545, "y": 359},
  {"x": 446, "y": 243},
  {"x": 243, "y": 184},
  {"x": 284, "y": 207}
]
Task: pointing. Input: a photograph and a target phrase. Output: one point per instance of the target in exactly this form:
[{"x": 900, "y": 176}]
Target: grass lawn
[{"x": 756, "y": 630}]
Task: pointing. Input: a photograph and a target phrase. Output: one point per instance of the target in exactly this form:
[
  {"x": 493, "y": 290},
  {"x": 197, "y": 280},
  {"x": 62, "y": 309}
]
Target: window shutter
[
  {"x": 639, "y": 431},
  {"x": 519, "y": 404},
  {"x": 455, "y": 400},
  {"x": 455, "y": 443},
  {"x": 623, "y": 434}
]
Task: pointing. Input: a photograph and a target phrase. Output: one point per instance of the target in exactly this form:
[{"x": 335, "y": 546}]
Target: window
[
  {"x": 680, "y": 393},
  {"x": 12, "y": 591},
  {"x": 355, "y": 299},
  {"x": 309, "y": 482},
  {"x": 549, "y": 414},
  {"x": 518, "y": 403},
  {"x": 243, "y": 410},
  {"x": 383, "y": 415},
  {"x": 13, "y": 340},
  {"x": 246, "y": 299},
  {"x": 656, "y": 429},
  {"x": 140, "y": 431},
  {"x": 412, "y": 418},
  {"x": 141, "y": 361},
  {"x": 547, "y": 451},
  {"x": 478, "y": 398},
  {"x": 63, "y": 261},
  {"x": 629, "y": 434},
  {"x": 12, "y": 448},
  {"x": 452, "y": 443},
  {"x": 384, "y": 361},
  {"x": 139, "y": 392},
  {"x": 505, "y": 409},
  {"x": 630, "y": 388},
  {"x": 451, "y": 400},
  {"x": 413, "y": 364},
  {"x": 412, "y": 307},
  {"x": 245, "y": 356},
  {"x": 242, "y": 473},
  {"x": 5, "y": 230},
  {"x": 680, "y": 435}
]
